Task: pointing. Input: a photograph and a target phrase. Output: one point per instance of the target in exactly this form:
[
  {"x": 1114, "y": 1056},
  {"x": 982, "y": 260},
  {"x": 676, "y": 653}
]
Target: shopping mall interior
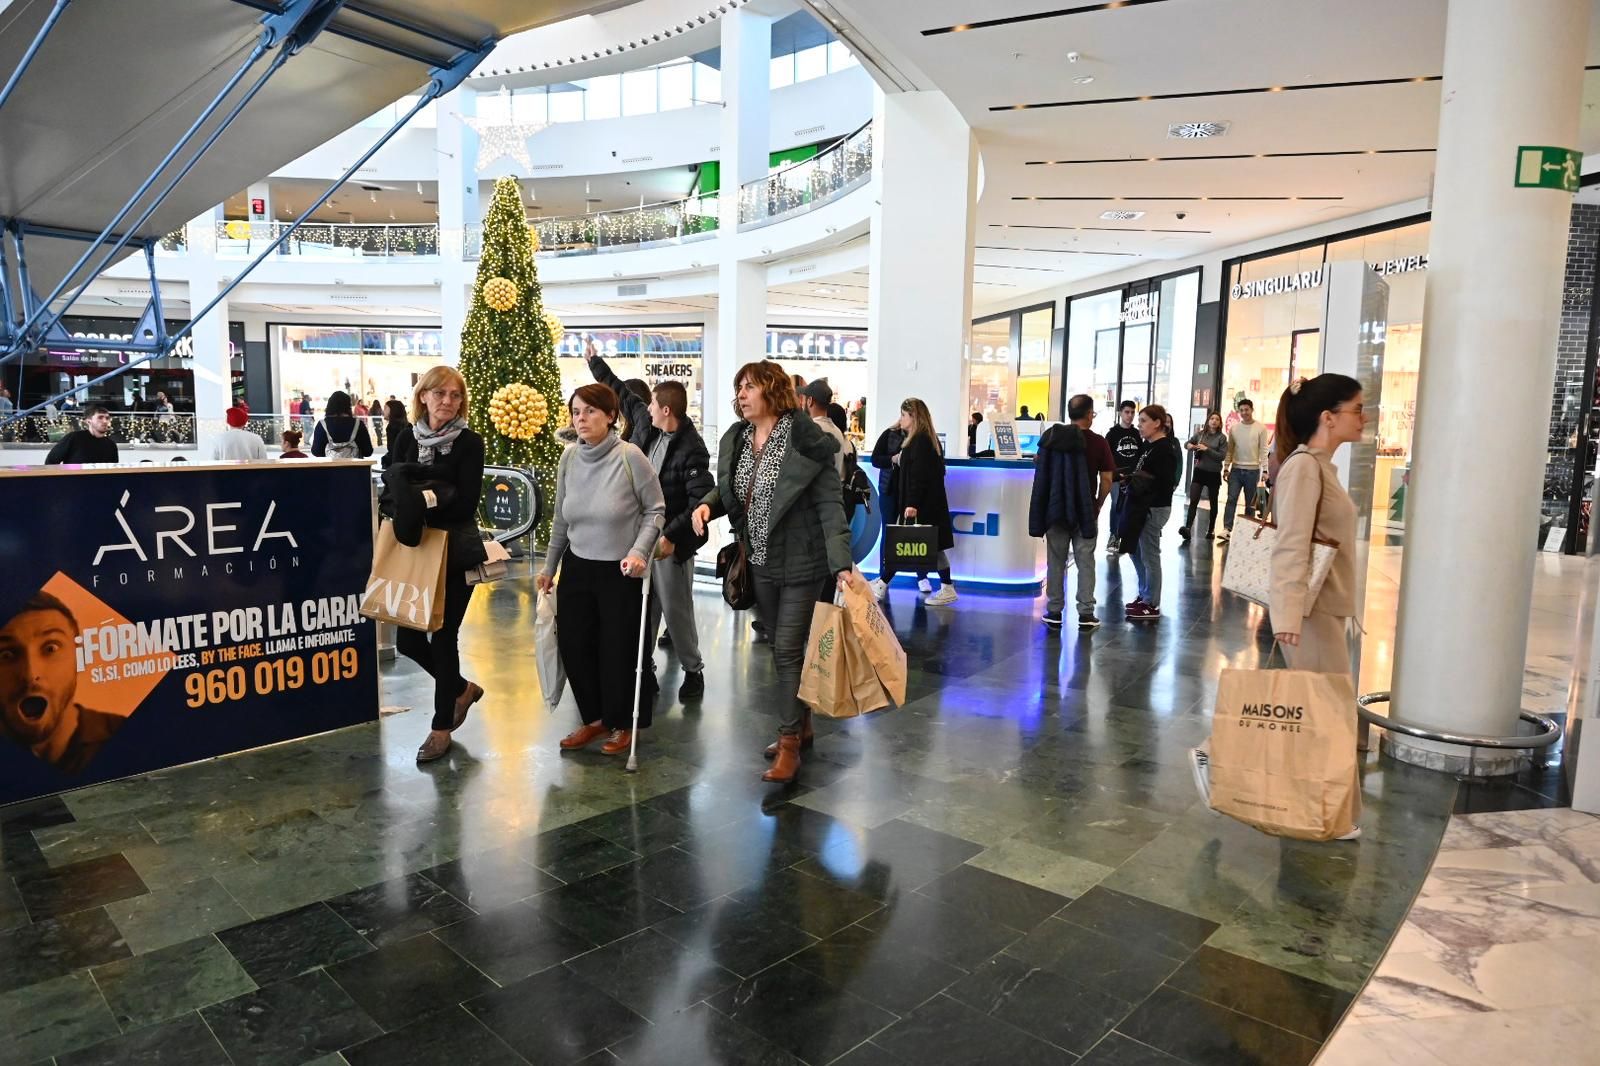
[{"x": 223, "y": 221}]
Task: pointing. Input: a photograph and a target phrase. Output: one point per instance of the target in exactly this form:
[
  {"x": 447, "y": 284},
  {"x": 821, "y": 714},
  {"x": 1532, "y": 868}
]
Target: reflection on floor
[
  {"x": 1500, "y": 956},
  {"x": 1011, "y": 868}
]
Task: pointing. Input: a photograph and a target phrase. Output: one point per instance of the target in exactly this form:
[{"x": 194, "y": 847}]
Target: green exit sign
[{"x": 1543, "y": 167}]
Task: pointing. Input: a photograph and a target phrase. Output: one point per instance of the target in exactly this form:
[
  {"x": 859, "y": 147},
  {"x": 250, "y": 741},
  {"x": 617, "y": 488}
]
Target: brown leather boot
[
  {"x": 807, "y": 738},
  {"x": 787, "y": 762}
]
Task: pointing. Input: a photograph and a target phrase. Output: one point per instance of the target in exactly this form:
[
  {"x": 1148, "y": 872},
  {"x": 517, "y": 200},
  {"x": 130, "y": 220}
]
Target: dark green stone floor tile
[
  {"x": 33, "y": 953},
  {"x": 289, "y": 1023},
  {"x": 1206, "y": 1034},
  {"x": 399, "y": 909},
  {"x": 171, "y": 822},
  {"x": 1054, "y": 1008},
  {"x": 699, "y": 1035},
  {"x": 1119, "y": 1050},
  {"x": 449, "y": 1037},
  {"x": 172, "y": 915},
  {"x": 895, "y": 977},
  {"x": 402, "y": 982},
  {"x": 190, "y": 859},
  {"x": 185, "y": 1041},
  {"x": 283, "y": 885},
  {"x": 1139, "y": 922},
  {"x": 513, "y": 942},
  {"x": 485, "y": 880},
  {"x": 13, "y": 912},
  {"x": 572, "y": 853},
  {"x": 554, "y": 1018},
  {"x": 170, "y": 982},
  {"x": 652, "y": 975},
  {"x": 1098, "y": 962},
  {"x": 51, "y": 1018},
  {"x": 954, "y": 1034},
  {"x": 286, "y": 945},
  {"x": 1275, "y": 996},
  {"x": 79, "y": 886},
  {"x": 1099, "y": 830},
  {"x": 999, "y": 899},
  {"x": 90, "y": 838}
]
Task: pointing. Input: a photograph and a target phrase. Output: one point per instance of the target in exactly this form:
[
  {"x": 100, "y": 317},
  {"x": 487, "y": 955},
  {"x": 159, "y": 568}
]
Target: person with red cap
[{"x": 237, "y": 443}]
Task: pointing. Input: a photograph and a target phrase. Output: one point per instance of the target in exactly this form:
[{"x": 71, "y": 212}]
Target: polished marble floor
[
  {"x": 1010, "y": 868},
  {"x": 1499, "y": 959}
]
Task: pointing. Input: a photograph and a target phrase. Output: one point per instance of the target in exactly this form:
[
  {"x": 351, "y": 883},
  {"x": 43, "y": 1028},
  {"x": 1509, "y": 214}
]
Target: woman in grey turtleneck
[{"x": 608, "y": 514}]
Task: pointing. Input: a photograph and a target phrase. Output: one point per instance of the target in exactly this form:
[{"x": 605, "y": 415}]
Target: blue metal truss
[{"x": 29, "y": 322}]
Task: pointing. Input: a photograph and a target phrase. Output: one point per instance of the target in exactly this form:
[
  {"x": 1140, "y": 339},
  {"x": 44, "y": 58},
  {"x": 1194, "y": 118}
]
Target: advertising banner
[{"x": 155, "y": 616}]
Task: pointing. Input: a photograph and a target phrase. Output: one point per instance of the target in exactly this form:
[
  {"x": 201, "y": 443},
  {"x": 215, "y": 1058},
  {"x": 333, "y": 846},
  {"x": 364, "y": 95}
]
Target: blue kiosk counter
[
  {"x": 157, "y": 615},
  {"x": 989, "y": 509}
]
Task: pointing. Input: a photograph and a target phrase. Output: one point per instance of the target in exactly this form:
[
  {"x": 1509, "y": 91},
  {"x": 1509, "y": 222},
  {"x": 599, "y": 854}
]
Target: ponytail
[{"x": 1301, "y": 406}]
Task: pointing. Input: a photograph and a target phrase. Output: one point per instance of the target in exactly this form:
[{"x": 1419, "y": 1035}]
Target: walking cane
[{"x": 638, "y": 671}]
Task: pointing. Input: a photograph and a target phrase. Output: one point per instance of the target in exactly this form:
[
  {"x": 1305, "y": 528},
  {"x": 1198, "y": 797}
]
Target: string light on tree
[{"x": 511, "y": 345}]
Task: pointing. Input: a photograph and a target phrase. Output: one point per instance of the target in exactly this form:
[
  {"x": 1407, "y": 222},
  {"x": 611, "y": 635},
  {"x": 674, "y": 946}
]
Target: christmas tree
[{"x": 508, "y": 353}]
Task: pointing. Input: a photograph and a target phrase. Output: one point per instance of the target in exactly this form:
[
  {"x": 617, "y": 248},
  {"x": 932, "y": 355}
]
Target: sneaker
[
  {"x": 1137, "y": 601},
  {"x": 1143, "y": 613},
  {"x": 1113, "y": 547},
  {"x": 924, "y": 586},
  {"x": 1087, "y": 620},
  {"x": 1183, "y": 533},
  {"x": 1354, "y": 834},
  {"x": 880, "y": 589},
  {"x": 945, "y": 595},
  {"x": 1200, "y": 766},
  {"x": 665, "y": 641},
  {"x": 1052, "y": 619},
  {"x": 694, "y": 685}
]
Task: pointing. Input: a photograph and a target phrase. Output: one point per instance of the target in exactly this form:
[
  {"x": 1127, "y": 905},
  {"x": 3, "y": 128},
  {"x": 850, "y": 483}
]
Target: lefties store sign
[{"x": 155, "y": 617}]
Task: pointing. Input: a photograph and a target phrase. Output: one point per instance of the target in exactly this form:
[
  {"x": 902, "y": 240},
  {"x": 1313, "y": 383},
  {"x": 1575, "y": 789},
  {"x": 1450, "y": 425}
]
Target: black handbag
[
  {"x": 465, "y": 549},
  {"x": 733, "y": 563}
]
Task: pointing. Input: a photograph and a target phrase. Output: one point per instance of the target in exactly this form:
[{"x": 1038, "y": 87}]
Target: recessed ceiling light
[
  {"x": 1189, "y": 131},
  {"x": 1121, "y": 216},
  {"x": 1083, "y": 79}
]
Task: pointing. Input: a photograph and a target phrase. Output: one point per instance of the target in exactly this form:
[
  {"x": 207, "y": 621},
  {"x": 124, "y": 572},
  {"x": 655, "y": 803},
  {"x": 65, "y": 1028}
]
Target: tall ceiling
[{"x": 1331, "y": 109}]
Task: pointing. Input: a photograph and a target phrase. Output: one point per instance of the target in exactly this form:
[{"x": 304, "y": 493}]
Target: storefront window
[
  {"x": 1033, "y": 377},
  {"x": 840, "y": 356},
  {"x": 1094, "y": 340},
  {"x": 378, "y": 363},
  {"x": 653, "y": 353},
  {"x": 1174, "y": 361},
  {"x": 992, "y": 375},
  {"x": 1274, "y": 337}
]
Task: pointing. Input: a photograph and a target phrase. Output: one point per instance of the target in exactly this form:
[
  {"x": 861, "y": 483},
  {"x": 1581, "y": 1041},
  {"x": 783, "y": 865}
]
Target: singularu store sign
[{"x": 1313, "y": 279}]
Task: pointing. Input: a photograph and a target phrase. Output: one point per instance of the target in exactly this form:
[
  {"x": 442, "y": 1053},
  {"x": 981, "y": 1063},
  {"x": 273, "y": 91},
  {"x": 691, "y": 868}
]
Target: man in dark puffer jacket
[
  {"x": 663, "y": 430},
  {"x": 1071, "y": 478}
]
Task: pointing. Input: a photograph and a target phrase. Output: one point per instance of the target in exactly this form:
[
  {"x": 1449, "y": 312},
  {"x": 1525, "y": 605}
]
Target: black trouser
[
  {"x": 887, "y": 502},
  {"x": 1211, "y": 481},
  {"x": 786, "y": 612},
  {"x": 597, "y": 630},
  {"x": 439, "y": 653}
]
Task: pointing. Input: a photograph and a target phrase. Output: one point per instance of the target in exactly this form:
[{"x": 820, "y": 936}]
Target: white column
[
  {"x": 745, "y": 149},
  {"x": 1496, "y": 262},
  {"x": 458, "y": 207},
  {"x": 213, "y": 371},
  {"x": 920, "y": 295},
  {"x": 263, "y": 192}
]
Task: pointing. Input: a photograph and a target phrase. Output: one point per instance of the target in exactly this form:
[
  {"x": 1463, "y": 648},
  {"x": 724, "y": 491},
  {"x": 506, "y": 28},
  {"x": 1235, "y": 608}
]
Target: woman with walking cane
[
  {"x": 777, "y": 484},
  {"x": 608, "y": 514}
]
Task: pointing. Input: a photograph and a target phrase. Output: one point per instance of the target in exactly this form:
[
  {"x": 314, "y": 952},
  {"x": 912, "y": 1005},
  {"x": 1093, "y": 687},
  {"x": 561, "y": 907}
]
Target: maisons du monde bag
[{"x": 1248, "y": 571}]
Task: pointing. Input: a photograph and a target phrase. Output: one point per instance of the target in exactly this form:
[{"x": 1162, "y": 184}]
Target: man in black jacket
[
  {"x": 92, "y": 444},
  {"x": 666, "y": 434},
  {"x": 1071, "y": 478}
]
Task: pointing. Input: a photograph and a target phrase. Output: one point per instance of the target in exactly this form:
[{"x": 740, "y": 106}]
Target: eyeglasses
[{"x": 446, "y": 394}]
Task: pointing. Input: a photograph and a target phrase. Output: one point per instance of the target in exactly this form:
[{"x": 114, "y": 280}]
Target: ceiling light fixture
[
  {"x": 1121, "y": 216},
  {"x": 1083, "y": 79},
  {"x": 1190, "y": 131}
]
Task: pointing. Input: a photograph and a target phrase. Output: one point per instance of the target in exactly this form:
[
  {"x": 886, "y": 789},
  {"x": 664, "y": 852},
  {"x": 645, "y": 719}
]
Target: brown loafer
[
  {"x": 469, "y": 695},
  {"x": 434, "y": 747},
  {"x": 583, "y": 736},
  {"x": 618, "y": 744}
]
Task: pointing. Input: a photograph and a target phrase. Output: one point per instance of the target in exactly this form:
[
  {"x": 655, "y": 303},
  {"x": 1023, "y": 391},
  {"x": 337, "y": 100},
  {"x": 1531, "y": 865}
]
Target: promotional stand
[{"x": 154, "y": 616}]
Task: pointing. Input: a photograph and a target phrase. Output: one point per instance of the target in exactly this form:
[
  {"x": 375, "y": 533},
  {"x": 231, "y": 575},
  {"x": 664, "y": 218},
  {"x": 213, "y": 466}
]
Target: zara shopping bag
[
  {"x": 546, "y": 655},
  {"x": 1283, "y": 752},
  {"x": 909, "y": 549},
  {"x": 406, "y": 587},
  {"x": 875, "y": 638}
]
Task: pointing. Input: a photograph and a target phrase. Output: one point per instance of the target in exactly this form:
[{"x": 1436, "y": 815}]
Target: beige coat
[{"x": 1300, "y": 486}]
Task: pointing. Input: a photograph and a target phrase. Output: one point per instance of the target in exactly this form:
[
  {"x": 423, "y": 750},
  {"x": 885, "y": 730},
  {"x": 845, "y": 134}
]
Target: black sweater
[
  {"x": 1125, "y": 445},
  {"x": 1158, "y": 459},
  {"x": 81, "y": 446},
  {"x": 463, "y": 468}
]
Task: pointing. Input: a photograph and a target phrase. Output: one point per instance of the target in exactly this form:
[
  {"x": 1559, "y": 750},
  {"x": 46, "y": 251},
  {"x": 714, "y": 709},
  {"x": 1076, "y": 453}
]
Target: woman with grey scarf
[{"x": 435, "y": 479}]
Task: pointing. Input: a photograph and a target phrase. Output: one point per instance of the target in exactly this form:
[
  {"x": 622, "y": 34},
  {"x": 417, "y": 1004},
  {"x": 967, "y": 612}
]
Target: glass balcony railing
[
  {"x": 650, "y": 226},
  {"x": 329, "y": 240},
  {"x": 809, "y": 184}
]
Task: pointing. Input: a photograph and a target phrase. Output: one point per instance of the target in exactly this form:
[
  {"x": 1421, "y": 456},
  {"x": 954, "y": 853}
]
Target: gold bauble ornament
[
  {"x": 500, "y": 293},
  {"x": 518, "y": 411},
  {"x": 557, "y": 330}
]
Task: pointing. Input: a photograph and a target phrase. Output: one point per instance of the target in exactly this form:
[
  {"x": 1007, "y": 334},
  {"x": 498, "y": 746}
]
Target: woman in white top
[{"x": 1315, "y": 417}]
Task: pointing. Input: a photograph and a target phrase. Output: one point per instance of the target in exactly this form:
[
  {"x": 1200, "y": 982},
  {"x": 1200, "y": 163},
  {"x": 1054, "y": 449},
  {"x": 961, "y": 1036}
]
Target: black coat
[
  {"x": 685, "y": 475},
  {"x": 883, "y": 454},
  {"x": 921, "y": 485}
]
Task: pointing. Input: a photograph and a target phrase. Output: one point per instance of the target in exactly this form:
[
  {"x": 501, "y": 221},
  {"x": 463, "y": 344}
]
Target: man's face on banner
[{"x": 38, "y": 674}]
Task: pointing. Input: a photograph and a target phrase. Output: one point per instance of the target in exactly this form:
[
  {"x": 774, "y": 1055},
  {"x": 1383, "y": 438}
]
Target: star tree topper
[{"x": 504, "y": 139}]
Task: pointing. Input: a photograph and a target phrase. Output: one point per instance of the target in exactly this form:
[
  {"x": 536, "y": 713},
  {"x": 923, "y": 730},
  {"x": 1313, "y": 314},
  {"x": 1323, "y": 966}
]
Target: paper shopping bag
[
  {"x": 824, "y": 681},
  {"x": 1283, "y": 752},
  {"x": 909, "y": 549},
  {"x": 546, "y": 652},
  {"x": 406, "y": 586},
  {"x": 866, "y": 690},
  {"x": 876, "y": 638}
]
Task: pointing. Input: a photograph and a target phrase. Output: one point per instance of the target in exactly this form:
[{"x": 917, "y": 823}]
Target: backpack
[
  {"x": 342, "y": 449},
  {"x": 857, "y": 486}
]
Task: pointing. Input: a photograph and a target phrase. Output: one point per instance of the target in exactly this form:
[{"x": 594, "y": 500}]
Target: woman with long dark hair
[
  {"x": 1149, "y": 487},
  {"x": 608, "y": 514},
  {"x": 777, "y": 484},
  {"x": 438, "y": 451},
  {"x": 1209, "y": 444},
  {"x": 1315, "y": 417},
  {"x": 922, "y": 497},
  {"x": 341, "y": 433}
]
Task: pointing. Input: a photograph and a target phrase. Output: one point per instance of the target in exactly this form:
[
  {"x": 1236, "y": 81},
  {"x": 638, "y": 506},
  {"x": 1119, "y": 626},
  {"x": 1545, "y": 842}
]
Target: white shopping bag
[{"x": 546, "y": 654}]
